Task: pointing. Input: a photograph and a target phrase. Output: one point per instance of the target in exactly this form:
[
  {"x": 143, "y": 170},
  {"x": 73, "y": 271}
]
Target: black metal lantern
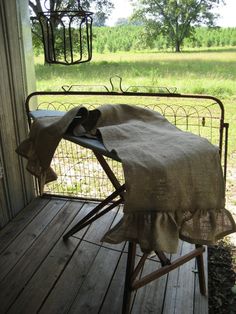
[{"x": 66, "y": 35}]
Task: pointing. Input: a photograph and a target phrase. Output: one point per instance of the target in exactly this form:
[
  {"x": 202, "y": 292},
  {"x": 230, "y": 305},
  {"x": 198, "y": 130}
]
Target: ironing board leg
[
  {"x": 90, "y": 217},
  {"x": 129, "y": 271},
  {"x": 201, "y": 273}
]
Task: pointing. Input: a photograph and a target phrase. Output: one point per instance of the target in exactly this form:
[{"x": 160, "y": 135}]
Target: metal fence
[{"x": 79, "y": 173}]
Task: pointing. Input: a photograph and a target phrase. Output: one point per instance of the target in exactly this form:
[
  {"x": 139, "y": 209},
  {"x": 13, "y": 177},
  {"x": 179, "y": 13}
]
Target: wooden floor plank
[
  {"x": 44, "y": 279},
  {"x": 77, "y": 269},
  {"x": 114, "y": 295},
  {"x": 93, "y": 290},
  {"x": 19, "y": 276},
  {"x": 172, "y": 284},
  {"x": 200, "y": 301},
  {"x": 19, "y": 223},
  {"x": 42, "y": 282},
  {"x": 119, "y": 246},
  {"x": 66, "y": 289},
  {"x": 20, "y": 245},
  {"x": 149, "y": 299},
  {"x": 82, "y": 275},
  {"x": 185, "y": 290},
  {"x": 98, "y": 228}
]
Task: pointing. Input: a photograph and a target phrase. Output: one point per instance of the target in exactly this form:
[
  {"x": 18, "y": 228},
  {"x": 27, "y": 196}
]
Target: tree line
[{"x": 135, "y": 38}]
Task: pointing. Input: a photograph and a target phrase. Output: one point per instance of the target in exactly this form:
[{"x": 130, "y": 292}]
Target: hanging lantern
[{"x": 66, "y": 35}]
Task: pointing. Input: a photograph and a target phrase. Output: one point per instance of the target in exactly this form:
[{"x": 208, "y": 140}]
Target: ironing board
[{"x": 132, "y": 270}]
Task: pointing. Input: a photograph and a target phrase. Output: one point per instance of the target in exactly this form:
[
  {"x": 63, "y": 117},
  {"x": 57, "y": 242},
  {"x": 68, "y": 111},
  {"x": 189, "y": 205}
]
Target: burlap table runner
[{"x": 174, "y": 181}]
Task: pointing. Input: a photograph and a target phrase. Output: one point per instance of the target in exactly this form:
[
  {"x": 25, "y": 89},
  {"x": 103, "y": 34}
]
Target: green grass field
[
  {"x": 192, "y": 72},
  {"x": 210, "y": 72}
]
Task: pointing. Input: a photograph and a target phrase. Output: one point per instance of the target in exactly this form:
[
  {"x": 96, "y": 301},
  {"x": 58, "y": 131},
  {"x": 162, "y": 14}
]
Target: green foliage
[
  {"x": 119, "y": 38},
  {"x": 212, "y": 37},
  {"x": 135, "y": 38},
  {"x": 176, "y": 20},
  {"x": 101, "y": 9}
]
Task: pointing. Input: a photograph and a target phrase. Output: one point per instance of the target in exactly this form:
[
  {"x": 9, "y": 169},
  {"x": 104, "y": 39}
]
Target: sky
[{"x": 228, "y": 13}]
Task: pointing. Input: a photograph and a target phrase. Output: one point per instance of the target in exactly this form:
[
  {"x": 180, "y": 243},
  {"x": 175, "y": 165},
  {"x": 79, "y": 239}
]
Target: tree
[
  {"x": 175, "y": 19},
  {"x": 102, "y": 8}
]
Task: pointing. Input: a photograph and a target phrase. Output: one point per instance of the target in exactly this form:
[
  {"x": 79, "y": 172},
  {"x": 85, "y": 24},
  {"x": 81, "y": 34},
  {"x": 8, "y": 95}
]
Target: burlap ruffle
[{"x": 160, "y": 231}]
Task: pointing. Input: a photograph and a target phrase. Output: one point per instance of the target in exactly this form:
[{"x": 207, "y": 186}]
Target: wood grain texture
[
  {"x": 149, "y": 298},
  {"x": 16, "y": 226},
  {"x": 18, "y": 184},
  {"x": 16, "y": 280},
  {"x": 21, "y": 244},
  {"x": 44, "y": 274}
]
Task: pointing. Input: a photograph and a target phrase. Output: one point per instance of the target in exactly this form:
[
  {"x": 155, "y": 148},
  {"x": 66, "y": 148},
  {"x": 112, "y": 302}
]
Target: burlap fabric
[{"x": 174, "y": 182}]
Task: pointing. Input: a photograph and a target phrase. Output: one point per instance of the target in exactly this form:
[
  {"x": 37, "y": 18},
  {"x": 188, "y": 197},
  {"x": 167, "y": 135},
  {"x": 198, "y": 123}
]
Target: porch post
[{"x": 16, "y": 81}]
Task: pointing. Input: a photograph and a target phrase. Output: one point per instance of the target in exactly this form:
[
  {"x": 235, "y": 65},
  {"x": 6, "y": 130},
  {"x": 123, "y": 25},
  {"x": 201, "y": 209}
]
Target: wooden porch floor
[{"x": 40, "y": 273}]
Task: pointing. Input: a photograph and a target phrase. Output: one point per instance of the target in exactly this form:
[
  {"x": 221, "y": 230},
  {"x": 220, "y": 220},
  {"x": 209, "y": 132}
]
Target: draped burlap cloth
[
  {"x": 174, "y": 182},
  {"x": 44, "y": 137}
]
